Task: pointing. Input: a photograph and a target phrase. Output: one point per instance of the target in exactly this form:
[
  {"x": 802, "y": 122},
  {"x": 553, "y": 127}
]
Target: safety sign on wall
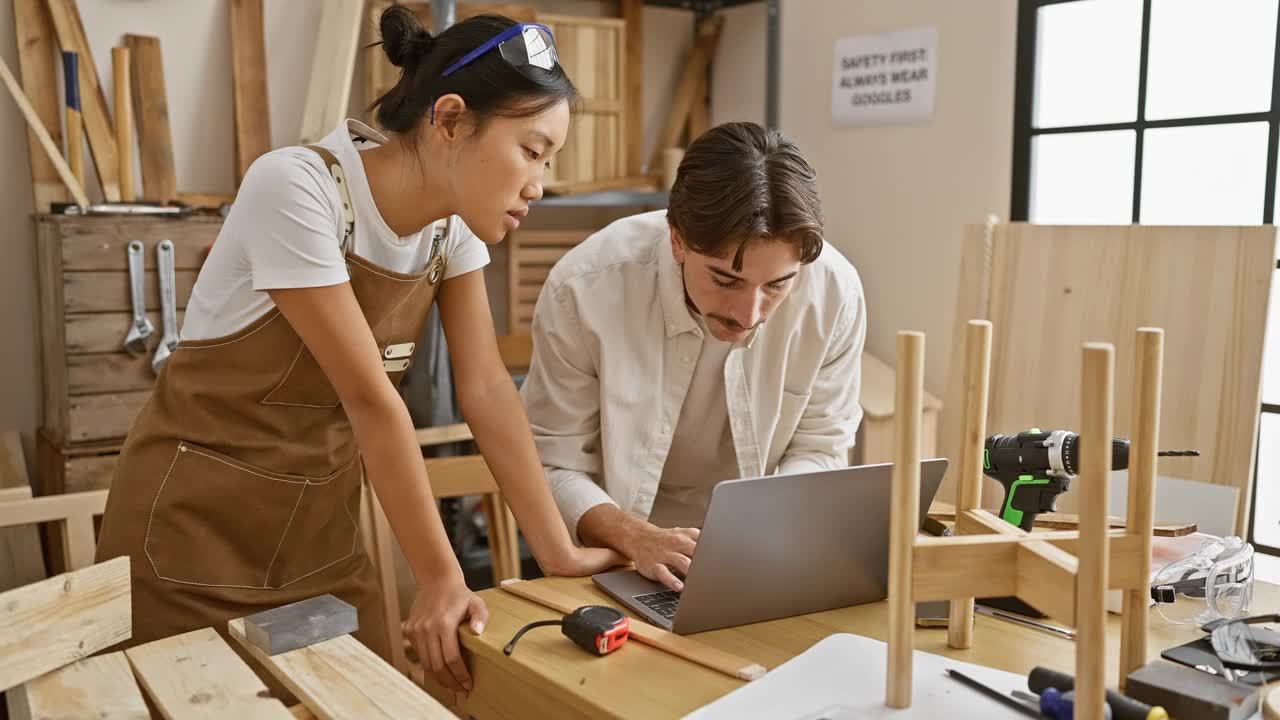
[{"x": 885, "y": 79}]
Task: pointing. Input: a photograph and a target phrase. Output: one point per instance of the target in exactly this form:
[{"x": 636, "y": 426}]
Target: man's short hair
[{"x": 740, "y": 182}]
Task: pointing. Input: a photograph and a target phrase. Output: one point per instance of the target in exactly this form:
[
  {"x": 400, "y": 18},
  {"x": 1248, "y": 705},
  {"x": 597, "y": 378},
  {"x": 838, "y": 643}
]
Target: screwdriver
[{"x": 1042, "y": 679}]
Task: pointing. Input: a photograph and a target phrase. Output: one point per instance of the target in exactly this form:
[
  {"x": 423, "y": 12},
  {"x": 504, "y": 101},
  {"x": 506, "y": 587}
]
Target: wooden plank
[
  {"x": 20, "y": 554},
  {"x": 50, "y": 508},
  {"x": 639, "y": 184},
  {"x": 100, "y": 291},
  {"x": 104, "y": 332},
  {"x": 122, "y": 99},
  {"x": 460, "y": 475},
  {"x": 97, "y": 119},
  {"x": 103, "y": 246},
  {"x": 1071, "y": 521},
  {"x": 442, "y": 434},
  {"x": 552, "y": 238},
  {"x": 632, "y": 12},
  {"x": 100, "y": 687},
  {"x": 700, "y": 56},
  {"x": 249, "y": 84},
  {"x": 535, "y": 274},
  {"x": 197, "y": 675},
  {"x": 102, "y": 417},
  {"x": 57, "y": 621},
  {"x": 108, "y": 373},
  {"x": 1207, "y": 287},
  {"x": 965, "y": 565},
  {"x": 685, "y": 647},
  {"x": 332, "y": 67},
  {"x": 37, "y": 44},
  {"x": 1047, "y": 579},
  {"x": 341, "y": 678},
  {"x": 92, "y": 472},
  {"x": 206, "y": 199},
  {"x": 541, "y": 256},
  {"x": 33, "y": 123},
  {"x": 151, "y": 112},
  {"x": 516, "y": 351},
  {"x": 53, "y": 365}
]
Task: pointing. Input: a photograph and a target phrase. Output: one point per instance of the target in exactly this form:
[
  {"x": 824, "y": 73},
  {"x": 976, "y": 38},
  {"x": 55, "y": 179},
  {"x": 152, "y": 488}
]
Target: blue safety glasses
[{"x": 521, "y": 45}]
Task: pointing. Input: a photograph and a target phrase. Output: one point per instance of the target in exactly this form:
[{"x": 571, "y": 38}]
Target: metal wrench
[
  {"x": 168, "y": 304},
  {"x": 135, "y": 341}
]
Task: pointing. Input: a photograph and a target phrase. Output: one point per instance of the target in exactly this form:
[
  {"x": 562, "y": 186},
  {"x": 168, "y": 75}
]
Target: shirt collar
[{"x": 671, "y": 291}]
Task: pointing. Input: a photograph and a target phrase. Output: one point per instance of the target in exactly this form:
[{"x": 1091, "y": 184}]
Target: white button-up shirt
[{"x": 612, "y": 339}]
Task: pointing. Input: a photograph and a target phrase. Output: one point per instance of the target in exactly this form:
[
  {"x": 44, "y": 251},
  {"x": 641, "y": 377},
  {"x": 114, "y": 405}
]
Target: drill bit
[{"x": 1179, "y": 453}]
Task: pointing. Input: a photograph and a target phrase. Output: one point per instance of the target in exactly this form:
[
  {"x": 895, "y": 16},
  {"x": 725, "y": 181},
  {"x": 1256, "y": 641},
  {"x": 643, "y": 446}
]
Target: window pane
[
  {"x": 1082, "y": 178},
  {"x": 1271, "y": 351},
  {"x": 1087, "y": 62},
  {"x": 1266, "y": 502},
  {"x": 1209, "y": 57},
  {"x": 1204, "y": 175}
]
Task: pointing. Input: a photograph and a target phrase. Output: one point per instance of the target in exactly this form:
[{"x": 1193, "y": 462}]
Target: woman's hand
[
  {"x": 579, "y": 561},
  {"x": 437, "y": 613}
]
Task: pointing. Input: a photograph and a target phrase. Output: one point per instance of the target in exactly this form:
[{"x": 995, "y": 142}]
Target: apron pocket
[
  {"x": 323, "y": 530},
  {"x": 217, "y": 521},
  {"x": 304, "y": 384}
]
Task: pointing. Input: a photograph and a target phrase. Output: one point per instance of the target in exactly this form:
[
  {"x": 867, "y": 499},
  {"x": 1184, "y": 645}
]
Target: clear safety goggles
[
  {"x": 1215, "y": 583},
  {"x": 523, "y": 45}
]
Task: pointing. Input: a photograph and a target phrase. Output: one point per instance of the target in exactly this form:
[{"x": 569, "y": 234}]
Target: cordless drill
[{"x": 1035, "y": 467}]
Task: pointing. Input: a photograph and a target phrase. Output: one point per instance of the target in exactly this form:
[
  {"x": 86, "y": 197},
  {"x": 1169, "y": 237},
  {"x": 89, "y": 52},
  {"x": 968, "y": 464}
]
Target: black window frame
[{"x": 1024, "y": 132}]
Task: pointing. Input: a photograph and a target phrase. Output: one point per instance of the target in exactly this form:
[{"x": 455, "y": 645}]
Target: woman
[{"x": 239, "y": 483}]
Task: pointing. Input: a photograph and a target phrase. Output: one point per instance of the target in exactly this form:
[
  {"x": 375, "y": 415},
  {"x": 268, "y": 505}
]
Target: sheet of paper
[
  {"x": 844, "y": 675},
  {"x": 842, "y": 678}
]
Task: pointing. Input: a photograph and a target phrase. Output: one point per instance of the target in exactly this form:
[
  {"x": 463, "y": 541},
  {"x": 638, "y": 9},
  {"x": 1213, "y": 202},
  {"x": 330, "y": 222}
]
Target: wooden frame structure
[{"x": 1064, "y": 574}]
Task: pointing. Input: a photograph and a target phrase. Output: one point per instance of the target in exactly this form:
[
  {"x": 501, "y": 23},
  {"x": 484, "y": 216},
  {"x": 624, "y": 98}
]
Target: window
[{"x": 1159, "y": 112}]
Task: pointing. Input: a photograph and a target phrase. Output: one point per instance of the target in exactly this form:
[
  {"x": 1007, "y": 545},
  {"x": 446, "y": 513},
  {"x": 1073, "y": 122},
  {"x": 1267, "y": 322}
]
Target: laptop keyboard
[{"x": 664, "y": 603}]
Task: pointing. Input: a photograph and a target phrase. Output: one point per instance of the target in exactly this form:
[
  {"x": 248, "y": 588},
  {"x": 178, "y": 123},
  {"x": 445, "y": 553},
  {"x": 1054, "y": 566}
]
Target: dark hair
[
  {"x": 490, "y": 85},
  {"x": 739, "y": 182}
]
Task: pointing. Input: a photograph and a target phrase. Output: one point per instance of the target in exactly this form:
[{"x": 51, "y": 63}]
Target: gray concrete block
[{"x": 300, "y": 624}]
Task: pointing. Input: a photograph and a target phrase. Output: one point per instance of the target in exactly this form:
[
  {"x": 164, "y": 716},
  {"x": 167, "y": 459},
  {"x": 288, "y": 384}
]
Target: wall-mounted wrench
[
  {"x": 168, "y": 304},
  {"x": 140, "y": 326}
]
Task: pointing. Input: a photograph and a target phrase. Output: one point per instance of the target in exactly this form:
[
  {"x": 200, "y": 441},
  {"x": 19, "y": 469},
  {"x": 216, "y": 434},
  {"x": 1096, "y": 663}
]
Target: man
[{"x": 720, "y": 338}]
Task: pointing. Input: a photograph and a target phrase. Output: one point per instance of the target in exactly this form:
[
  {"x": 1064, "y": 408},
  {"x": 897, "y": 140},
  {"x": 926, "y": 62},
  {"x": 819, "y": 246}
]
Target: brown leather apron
[{"x": 238, "y": 487}]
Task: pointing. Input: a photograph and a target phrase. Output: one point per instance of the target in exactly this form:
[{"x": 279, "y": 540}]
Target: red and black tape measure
[{"x": 598, "y": 629}]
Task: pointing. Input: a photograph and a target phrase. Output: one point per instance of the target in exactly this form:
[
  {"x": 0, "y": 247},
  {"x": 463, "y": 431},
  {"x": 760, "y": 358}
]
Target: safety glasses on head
[{"x": 523, "y": 45}]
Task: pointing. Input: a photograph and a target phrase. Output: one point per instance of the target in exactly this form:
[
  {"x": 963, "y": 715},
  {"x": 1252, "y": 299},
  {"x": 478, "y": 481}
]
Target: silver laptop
[{"x": 779, "y": 546}]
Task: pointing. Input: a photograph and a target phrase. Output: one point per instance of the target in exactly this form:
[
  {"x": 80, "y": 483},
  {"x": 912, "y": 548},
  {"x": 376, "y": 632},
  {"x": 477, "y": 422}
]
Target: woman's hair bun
[{"x": 403, "y": 37}]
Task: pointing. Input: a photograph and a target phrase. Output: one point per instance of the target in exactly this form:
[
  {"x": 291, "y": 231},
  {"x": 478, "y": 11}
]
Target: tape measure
[{"x": 598, "y": 629}]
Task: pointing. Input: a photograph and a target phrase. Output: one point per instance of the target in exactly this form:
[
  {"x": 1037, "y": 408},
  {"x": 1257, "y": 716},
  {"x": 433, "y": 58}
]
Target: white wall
[{"x": 896, "y": 198}]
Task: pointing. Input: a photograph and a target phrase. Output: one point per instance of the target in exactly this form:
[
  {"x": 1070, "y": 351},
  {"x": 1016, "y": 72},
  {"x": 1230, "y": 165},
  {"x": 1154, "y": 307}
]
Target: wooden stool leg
[
  {"x": 904, "y": 512},
  {"x": 1148, "y": 376},
  {"x": 375, "y": 533},
  {"x": 973, "y": 434},
  {"x": 497, "y": 550},
  {"x": 508, "y": 537},
  {"x": 1097, "y": 388}
]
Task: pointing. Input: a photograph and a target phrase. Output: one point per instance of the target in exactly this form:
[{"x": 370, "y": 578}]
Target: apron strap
[{"x": 348, "y": 211}]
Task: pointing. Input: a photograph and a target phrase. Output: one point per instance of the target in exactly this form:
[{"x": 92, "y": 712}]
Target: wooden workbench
[{"x": 549, "y": 677}]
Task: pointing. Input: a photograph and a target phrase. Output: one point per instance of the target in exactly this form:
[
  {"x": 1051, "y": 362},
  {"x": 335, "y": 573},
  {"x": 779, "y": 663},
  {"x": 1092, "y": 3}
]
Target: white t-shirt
[
  {"x": 285, "y": 231},
  {"x": 702, "y": 452}
]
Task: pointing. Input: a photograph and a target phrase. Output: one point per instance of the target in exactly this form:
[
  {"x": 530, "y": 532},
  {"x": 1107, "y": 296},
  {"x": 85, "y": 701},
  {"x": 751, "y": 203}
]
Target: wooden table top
[{"x": 548, "y": 676}]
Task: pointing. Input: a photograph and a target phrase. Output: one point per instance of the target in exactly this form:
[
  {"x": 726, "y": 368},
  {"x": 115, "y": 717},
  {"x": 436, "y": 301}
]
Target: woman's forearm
[
  {"x": 393, "y": 459},
  {"x": 501, "y": 429}
]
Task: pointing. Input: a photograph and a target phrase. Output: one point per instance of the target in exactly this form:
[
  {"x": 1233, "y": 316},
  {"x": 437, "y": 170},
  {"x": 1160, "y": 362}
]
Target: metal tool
[
  {"x": 168, "y": 304},
  {"x": 140, "y": 328},
  {"x": 1028, "y": 622},
  {"x": 1035, "y": 467},
  {"x": 598, "y": 629},
  {"x": 121, "y": 208},
  {"x": 1042, "y": 680},
  {"x": 1012, "y": 704}
]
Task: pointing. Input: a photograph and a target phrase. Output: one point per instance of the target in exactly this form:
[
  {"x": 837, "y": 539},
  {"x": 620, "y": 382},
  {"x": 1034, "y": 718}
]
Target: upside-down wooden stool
[{"x": 1064, "y": 574}]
